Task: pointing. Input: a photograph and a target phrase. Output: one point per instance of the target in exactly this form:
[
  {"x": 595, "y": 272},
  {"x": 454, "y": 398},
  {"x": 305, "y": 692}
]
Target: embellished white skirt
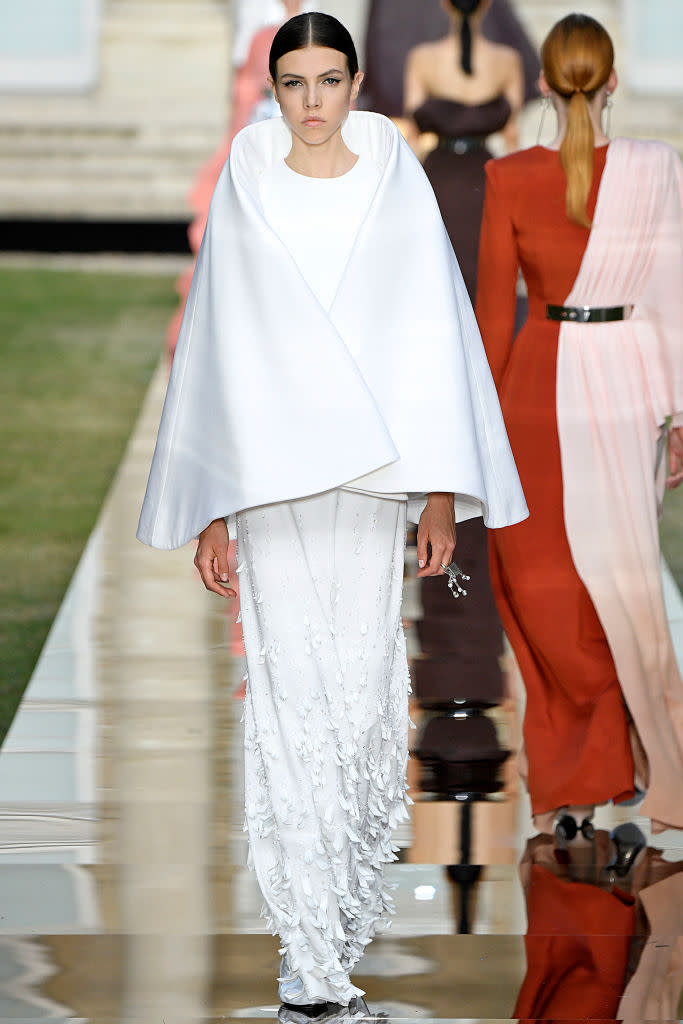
[{"x": 326, "y": 725}]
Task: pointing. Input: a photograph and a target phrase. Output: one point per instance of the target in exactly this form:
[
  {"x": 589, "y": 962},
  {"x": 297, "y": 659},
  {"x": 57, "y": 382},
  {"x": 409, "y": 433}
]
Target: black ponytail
[
  {"x": 466, "y": 8},
  {"x": 312, "y": 29}
]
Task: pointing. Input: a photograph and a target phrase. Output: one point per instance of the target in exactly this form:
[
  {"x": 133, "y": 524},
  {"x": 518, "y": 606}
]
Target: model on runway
[
  {"x": 312, "y": 399},
  {"x": 588, "y": 391},
  {"x": 396, "y": 26},
  {"x": 463, "y": 88},
  {"x": 460, "y": 89}
]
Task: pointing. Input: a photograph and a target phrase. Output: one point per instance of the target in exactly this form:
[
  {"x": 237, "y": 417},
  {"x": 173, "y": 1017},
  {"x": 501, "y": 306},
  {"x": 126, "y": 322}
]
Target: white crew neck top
[{"x": 318, "y": 219}]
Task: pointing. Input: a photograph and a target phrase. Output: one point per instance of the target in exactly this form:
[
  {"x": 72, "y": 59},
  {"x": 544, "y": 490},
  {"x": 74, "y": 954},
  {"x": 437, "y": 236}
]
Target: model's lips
[{"x": 313, "y": 121}]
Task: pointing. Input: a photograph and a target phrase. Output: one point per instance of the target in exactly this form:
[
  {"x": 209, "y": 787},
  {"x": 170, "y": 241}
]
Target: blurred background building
[
  {"x": 107, "y": 110},
  {"x": 108, "y": 107}
]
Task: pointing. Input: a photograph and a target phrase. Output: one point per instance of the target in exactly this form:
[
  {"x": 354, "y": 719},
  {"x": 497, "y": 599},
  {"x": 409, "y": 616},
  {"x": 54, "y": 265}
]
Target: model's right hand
[{"x": 212, "y": 558}]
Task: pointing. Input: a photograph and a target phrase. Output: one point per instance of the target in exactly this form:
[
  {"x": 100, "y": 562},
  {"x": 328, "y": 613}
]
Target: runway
[{"x": 124, "y": 895}]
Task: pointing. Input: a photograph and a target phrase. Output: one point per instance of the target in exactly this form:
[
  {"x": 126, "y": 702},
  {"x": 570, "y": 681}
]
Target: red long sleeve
[{"x": 497, "y": 276}]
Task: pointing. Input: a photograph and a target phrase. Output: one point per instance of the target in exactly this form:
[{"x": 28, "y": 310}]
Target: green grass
[
  {"x": 77, "y": 351},
  {"x": 76, "y": 354}
]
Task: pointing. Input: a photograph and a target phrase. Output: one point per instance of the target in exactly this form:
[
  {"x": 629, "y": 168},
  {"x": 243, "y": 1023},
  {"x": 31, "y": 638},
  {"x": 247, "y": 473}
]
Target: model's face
[{"x": 315, "y": 91}]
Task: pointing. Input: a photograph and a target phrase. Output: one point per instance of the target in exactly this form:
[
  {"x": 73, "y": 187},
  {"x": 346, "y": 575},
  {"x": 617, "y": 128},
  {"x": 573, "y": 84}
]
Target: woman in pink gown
[{"x": 592, "y": 391}]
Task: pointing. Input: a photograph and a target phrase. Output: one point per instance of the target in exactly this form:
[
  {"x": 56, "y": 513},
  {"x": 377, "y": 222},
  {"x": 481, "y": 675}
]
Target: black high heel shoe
[
  {"x": 291, "y": 1013},
  {"x": 628, "y": 841},
  {"x": 567, "y": 828}
]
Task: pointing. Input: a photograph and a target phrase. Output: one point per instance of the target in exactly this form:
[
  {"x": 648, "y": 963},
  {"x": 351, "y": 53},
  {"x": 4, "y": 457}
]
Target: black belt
[
  {"x": 588, "y": 314},
  {"x": 461, "y": 144}
]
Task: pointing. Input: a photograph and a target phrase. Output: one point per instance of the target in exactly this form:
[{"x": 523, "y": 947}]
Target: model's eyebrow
[{"x": 332, "y": 71}]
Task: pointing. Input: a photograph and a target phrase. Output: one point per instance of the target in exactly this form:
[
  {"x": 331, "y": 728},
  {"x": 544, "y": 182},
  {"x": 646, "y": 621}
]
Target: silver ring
[{"x": 444, "y": 567}]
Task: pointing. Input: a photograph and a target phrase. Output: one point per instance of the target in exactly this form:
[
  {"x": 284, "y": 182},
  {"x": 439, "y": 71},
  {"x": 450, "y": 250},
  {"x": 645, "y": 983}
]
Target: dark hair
[
  {"x": 466, "y": 8},
  {"x": 312, "y": 29}
]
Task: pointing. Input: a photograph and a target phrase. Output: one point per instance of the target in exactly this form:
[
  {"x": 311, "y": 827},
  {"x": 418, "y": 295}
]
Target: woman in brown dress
[
  {"x": 396, "y": 26},
  {"x": 462, "y": 88}
]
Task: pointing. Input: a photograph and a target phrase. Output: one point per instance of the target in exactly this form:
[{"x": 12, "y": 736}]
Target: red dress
[
  {"x": 576, "y": 725},
  {"x": 577, "y": 950}
]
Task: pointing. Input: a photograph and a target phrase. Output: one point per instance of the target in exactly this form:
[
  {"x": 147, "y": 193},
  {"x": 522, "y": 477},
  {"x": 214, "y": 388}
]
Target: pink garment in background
[
  {"x": 248, "y": 92},
  {"x": 654, "y": 991},
  {"x": 616, "y": 385}
]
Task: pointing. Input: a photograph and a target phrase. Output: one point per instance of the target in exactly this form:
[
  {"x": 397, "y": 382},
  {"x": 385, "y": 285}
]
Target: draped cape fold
[
  {"x": 616, "y": 386},
  {"x": 273, "y": 398}
]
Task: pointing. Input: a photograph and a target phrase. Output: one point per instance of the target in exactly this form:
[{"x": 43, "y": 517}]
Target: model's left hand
[
  {"x": 436, "y": 528},
  {"x": 675, "y": 476}
]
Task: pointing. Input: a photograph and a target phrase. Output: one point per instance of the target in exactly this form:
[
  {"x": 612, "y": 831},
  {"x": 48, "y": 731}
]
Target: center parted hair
[
  {"x": 466, "y": 8},
  {"x": 312, "y": 29},
  {"x": 577, "y": 58}
]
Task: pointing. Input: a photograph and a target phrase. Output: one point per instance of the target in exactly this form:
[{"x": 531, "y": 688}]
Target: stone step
[
  {"x": 170, "y": 8},
  {"x": 164, "y": 12},
  {"x": 162, "y": 34},
  {"x": 14, "y": 183},
  {"x": 131, "y": 147},
  {"x": 126, "y": 143},
  {"x": 158, "y": 199},
  {"x": 176, "y": 114},
  {"x": 78, "y": 168}
]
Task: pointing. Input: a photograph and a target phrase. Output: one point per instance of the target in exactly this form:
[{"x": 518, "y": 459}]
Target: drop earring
[
  {"x": 545, "y": 104},
  {"x": 609, "y": 103}
]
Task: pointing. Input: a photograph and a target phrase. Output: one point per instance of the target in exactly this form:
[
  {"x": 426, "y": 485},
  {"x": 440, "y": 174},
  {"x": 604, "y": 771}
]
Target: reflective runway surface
[{"x": 123, "y": 891}]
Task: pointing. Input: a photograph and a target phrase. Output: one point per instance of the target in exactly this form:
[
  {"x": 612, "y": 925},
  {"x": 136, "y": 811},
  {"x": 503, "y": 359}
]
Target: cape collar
[{"x": 262, "y": 145}]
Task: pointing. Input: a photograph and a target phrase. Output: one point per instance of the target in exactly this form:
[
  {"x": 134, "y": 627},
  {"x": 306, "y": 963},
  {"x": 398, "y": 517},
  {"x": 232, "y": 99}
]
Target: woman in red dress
[{"x": 585, "y": 618}]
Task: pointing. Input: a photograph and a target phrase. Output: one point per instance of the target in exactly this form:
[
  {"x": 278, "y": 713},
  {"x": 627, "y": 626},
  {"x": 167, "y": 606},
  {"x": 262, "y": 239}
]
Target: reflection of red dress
[
  {"x": 575, "y": 729},
  {"x": 577, "y": 948}
]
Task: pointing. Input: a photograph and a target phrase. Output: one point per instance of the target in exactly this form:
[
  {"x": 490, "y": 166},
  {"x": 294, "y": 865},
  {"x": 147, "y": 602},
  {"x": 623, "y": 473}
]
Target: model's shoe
[
  {"x": 359, "y": 1008},
  {"x": 628, "y": 842},
  {"x": 464, "y": 874},
  {"x": 567, "y": 828},
  {"x": 461, "y": 756},
  {"x": 293, "y": 1013}
]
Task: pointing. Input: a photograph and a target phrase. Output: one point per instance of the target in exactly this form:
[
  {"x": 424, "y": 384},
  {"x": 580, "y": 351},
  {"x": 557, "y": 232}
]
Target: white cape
[{"x": 272, "y": 398}]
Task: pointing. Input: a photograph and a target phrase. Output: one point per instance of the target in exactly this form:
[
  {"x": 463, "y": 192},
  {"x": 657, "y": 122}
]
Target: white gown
[
  {"x": 298, "y": 401},
  {"x": 326, "y": 709}
]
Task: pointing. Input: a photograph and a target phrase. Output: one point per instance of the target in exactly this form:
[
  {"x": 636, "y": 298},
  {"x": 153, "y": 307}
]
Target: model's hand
[
  {"x": 675, "y": 476},
  {"x": 212, "y": 558},
  {"x": 436, "y": 528}
]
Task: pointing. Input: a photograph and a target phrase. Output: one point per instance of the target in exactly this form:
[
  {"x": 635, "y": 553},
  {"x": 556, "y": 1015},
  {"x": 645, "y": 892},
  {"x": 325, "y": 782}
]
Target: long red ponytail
[{"x": 577, "y": 58}]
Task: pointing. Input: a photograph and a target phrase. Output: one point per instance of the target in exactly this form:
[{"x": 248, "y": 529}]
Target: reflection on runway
[{"x": 123, "y": 891}]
